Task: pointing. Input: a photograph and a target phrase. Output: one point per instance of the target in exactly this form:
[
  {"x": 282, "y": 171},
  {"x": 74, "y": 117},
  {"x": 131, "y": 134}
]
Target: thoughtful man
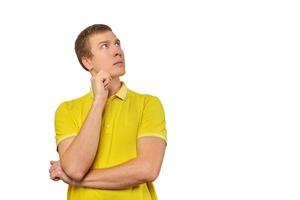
[{"x": 111, "y": 141}]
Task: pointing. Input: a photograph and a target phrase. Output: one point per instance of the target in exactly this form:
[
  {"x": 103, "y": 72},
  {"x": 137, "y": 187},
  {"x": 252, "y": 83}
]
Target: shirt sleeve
[
  {"x": 153, "y": 121},
  {"x": 65, "y": 125}
]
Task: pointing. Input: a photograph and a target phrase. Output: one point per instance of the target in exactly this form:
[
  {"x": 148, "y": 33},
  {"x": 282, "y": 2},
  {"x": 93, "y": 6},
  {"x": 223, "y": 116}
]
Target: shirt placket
[{"x": 109, "y": 118}]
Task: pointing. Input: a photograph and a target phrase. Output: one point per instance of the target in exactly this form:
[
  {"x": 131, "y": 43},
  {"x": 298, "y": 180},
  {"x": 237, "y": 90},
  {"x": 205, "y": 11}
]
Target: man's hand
[
  {"x": 100, "y": 82},
  {"x": 57, "y": 173}
]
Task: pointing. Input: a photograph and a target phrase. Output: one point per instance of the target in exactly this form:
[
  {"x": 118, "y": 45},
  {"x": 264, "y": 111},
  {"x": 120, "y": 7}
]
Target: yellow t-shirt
[{"x": 127, "y": 116}]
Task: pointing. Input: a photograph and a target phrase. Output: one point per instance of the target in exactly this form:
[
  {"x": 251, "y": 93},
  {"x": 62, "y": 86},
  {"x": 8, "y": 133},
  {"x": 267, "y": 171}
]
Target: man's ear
[{"x": 86, "y": 62}]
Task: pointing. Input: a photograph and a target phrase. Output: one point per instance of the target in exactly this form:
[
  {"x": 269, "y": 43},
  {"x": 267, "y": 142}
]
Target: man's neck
[{"x": 114, "y": 86}]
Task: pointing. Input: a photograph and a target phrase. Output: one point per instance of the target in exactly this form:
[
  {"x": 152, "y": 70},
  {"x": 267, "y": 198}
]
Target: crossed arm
[{"x": 144, "y": 168}]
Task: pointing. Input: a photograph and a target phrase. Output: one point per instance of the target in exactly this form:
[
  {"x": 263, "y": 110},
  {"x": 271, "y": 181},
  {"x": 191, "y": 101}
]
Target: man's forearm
[
  {"x": 79, "y": 156},
  {"x": 129, "y": 174}
]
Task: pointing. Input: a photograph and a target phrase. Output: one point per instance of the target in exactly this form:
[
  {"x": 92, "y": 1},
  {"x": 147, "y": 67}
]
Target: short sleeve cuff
[
  {"x": 59, "y": 140},
  {"x": 153, "y": 135}
]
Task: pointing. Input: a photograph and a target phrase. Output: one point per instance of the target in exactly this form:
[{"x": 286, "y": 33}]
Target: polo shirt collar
[{"x": 122, "y": 93}]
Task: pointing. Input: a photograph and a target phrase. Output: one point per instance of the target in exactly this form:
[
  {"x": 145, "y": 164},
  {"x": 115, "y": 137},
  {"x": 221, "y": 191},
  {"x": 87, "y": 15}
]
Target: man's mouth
[{"x": 119, "y": 62}]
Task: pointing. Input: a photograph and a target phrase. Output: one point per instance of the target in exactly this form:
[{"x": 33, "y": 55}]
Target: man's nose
[{"x": 117, "y": 51}]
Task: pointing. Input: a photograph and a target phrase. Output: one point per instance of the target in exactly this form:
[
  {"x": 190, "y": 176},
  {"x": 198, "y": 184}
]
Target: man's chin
[{"x": 117, "y": 74}]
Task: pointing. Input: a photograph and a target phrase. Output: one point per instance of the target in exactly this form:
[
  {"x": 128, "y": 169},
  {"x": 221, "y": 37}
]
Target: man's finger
[
  {"x": 103, "y": 74},
  {"x": 52, "y": 162},
  {"x": 51, "y": 168},
  {"x": 106, "y": 82},
  {"x": 52, "y": 175},
  {"x": 55, "y": 175}
]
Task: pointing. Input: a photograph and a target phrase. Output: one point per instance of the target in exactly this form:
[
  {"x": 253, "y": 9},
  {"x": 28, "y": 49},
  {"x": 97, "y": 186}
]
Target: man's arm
[
  {"x": 144, "y": 168},
  {"x": 78, "y": 153}
]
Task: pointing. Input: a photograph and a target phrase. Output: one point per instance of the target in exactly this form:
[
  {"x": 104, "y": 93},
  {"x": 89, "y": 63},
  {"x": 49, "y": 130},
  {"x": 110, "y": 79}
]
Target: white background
[{"x": 227, "y": 73}]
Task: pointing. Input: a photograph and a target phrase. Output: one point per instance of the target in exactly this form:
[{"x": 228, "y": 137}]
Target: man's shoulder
[
  {"x": 75, "y": 103},
  {"x": 144, "y": 97}
]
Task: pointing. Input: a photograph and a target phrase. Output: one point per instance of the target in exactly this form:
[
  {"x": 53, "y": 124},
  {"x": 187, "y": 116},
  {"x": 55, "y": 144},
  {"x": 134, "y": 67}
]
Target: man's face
[{"x": 107, "y": 54}]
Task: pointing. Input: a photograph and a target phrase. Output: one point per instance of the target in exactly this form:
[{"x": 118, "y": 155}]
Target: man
[{"x": 111, "y": 141}]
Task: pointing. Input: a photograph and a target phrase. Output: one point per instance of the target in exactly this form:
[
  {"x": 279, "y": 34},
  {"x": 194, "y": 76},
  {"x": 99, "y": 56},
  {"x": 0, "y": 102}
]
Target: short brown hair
[{"x": 82, "y": 46}]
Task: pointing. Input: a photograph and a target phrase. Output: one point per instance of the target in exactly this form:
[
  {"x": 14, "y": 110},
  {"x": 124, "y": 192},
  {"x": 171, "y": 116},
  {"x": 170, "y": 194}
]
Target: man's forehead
[{"x": 104, "y": 36}]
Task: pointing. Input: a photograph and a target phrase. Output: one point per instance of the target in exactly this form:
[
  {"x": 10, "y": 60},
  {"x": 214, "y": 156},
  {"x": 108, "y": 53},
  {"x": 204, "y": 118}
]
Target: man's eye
[
  {"x": 118, "y": 44},
  {"x": 104, "y": 46}
]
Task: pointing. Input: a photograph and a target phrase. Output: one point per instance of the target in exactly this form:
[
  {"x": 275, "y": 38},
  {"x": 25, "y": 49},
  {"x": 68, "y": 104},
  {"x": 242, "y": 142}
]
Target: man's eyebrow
[{"x": 107, "y": 41}]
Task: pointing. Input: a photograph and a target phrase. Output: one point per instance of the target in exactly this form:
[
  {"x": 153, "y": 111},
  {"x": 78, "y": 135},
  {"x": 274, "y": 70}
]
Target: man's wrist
[{"x": 99, "y": 103}]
